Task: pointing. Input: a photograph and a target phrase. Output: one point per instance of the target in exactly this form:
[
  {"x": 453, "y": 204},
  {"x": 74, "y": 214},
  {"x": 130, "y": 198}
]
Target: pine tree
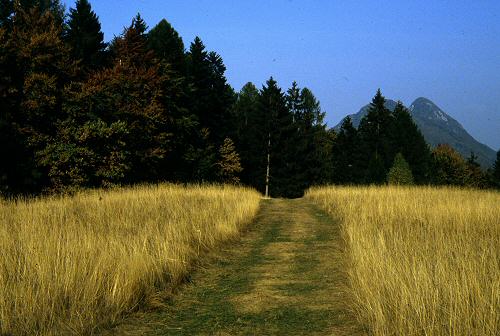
[
  {"x": 229, "y": 163},
  {"x": 212, "y": 98},
  {"x": 85, "y": 37},
  {"x": 246, "y": 115},
  {"x": 400, "y": 172},
  {"x": 409, "y": 141},
  {"x": 347, "y": 160},
  {"x": 376, "y": 140},
  {"x": 279, "y": 138},
  {"x": 496, "y": 171},
  {"x": 164, "y": 40}
]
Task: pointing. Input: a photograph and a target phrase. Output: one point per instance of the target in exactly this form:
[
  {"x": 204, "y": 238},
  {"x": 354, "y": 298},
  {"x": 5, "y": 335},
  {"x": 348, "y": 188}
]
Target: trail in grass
[{"x": 285, "y": 277}]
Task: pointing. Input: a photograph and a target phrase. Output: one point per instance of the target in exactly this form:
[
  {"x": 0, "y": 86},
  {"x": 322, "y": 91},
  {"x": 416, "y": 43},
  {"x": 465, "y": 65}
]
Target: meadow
[
  {"x": 72, "y": 264},
  {"x": 421, "y": 261}
]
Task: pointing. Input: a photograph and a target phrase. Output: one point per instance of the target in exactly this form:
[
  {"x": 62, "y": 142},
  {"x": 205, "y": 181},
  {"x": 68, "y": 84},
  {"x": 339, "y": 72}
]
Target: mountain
[{"x": 438, "y": 128}]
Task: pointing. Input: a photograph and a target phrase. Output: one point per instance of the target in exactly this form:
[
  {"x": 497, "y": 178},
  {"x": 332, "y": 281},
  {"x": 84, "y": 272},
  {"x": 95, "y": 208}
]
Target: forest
[{"x": 78, "y": 112}]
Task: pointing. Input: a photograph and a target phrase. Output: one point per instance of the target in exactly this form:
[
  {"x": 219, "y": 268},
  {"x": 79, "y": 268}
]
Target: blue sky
[{"x": 447, "y": 51}]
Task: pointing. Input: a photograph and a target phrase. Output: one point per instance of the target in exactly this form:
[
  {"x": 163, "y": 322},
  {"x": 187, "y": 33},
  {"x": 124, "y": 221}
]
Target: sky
[{"x": 343, "y": 50}]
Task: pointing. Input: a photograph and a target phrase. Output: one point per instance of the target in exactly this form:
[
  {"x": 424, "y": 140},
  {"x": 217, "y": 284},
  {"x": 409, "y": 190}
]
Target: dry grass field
[
  {"x": 71, "y": 264},
  {"x": 422, "y": 261}
]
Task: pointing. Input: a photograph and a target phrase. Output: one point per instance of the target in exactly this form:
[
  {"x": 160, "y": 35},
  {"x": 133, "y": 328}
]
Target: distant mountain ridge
[{"x": 438, "y": 128}]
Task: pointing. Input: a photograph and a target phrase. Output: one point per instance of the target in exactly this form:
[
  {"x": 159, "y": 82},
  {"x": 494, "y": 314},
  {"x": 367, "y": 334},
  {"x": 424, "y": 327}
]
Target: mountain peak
[
  {"x": 425, "y": 108},
  {"x": 437, "y": 128}
]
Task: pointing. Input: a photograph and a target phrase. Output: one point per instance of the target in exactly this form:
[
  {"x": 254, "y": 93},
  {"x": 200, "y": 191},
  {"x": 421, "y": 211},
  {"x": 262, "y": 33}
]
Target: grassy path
[{"x": 285, "y": 277}]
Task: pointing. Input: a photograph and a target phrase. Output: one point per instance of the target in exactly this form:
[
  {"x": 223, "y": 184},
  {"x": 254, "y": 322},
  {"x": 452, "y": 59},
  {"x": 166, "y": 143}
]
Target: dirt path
[{"x": 285, "y": 277}]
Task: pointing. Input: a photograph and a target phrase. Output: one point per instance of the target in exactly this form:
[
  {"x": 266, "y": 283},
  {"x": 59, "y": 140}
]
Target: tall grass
[
  {"x": 70, "y": 264},
  {"x": 422, "y": 261}
]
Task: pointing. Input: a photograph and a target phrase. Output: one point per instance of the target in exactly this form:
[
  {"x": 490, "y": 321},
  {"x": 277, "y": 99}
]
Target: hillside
[{"x": 438, "y": 127}]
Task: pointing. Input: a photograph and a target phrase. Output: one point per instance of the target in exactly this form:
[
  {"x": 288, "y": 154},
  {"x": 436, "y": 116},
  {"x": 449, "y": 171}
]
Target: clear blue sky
[{"x": 447, "y": 51}]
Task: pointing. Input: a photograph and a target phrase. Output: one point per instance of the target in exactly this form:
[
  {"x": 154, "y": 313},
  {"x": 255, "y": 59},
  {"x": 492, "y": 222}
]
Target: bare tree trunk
[{"x": 268, "y": 164}]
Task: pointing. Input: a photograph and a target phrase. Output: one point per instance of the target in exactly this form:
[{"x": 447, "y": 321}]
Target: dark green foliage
[
  {"x": 74, "y": 114},
  {"x": 409, "y": 141},
  {"x": 164, "y": 40},
  {"x": 212, "y": 98},
  {"x": 400, "y": 172},
  {"x": 85, "y": 37},
  {"x": 347, "y": 159},
  {"x": 376, "y": 140},
  {"x": 495, "y": 174}
]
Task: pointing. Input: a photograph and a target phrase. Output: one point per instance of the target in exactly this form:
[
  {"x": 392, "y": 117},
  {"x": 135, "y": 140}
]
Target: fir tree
[
  {"x": 164, "y": 40},
  {"x": 280, "y": 142},
  {"x": 400, "y": 172},
  {"x": 246, "y": 114},
  {"x": 495, "y": 173},
  {"x": 409, "y": 141},
  {"x": 376, "y": 140},
  {"x": 85, "y": 37},
  {"x": 347, "y": 160}
]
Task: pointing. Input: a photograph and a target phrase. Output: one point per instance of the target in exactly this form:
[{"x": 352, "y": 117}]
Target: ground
[{"x": 286, "y": 276}]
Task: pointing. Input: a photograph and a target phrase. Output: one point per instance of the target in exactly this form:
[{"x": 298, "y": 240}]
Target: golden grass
[
  {"x": 70, "y": 264},
  {"x": 422, "y": 260}
]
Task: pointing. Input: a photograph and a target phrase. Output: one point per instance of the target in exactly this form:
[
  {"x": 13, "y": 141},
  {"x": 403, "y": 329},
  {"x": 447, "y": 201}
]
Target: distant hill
[{"x": 438, "y": 128}]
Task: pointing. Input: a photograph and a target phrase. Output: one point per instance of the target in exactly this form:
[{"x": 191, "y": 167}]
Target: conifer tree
[
  {"x": 85, "y": 37},
  {"x": 347, "y": 160},
  {"x": 409, "y": 141},
  {"x": 376, "y": 139},
  {"x": 400, "y": 172},
  {"x": 496, "y": 171},
  {"x": 165, "y": 41},
  {"x": 280, "y": 142},
  {"x": 245, "y": 110},
  {"x": 212, "y": 98}
]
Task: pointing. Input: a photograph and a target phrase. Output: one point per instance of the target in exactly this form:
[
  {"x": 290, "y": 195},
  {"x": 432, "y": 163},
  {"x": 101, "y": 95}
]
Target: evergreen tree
[
  {"x": 495, "y": 173},
  {"x": 312, "y": 146},
  {"x": 280, "y": 142},
  {"x": 248, "y": 141},
  {"x": 347, "y": 160},
  {"x": 212, "y": 98},
  {"x": 400, "y": 172},
  {"x": 229, "y": 163},
  {"x": 85, "y": 37},
  {"x": 376, "y": 140},
  {"x": 409, "y": 141},
  {"x": 164, "y": 40}
]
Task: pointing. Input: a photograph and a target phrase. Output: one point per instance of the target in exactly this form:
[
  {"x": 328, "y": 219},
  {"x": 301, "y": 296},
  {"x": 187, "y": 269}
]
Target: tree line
[{"x": 77, "y": 112}]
